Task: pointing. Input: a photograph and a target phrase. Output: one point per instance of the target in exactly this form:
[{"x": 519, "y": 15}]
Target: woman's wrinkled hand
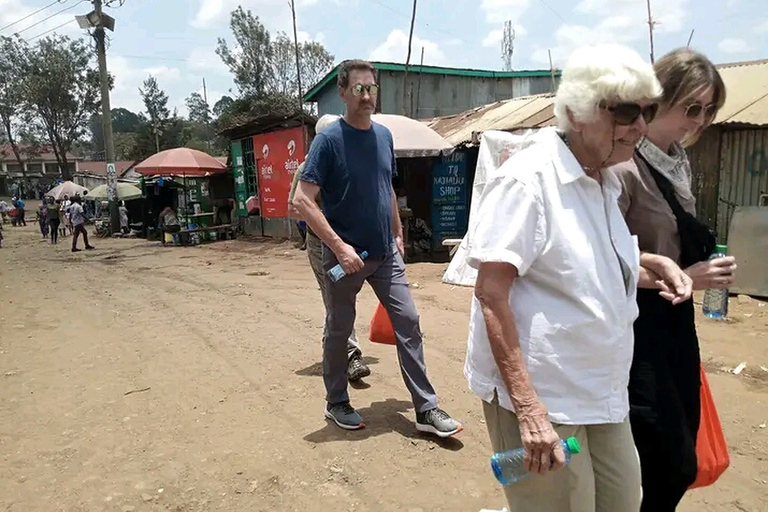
[{"x": 543, "y": 451}]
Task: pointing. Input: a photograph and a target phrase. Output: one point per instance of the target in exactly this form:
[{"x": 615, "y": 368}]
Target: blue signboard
[{"x": 449, "y": 197}]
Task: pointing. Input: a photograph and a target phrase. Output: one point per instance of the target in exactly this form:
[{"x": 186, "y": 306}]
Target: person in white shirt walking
[
  {"x": 77, "y": 218},
  {"x": 550, "y": 334}
]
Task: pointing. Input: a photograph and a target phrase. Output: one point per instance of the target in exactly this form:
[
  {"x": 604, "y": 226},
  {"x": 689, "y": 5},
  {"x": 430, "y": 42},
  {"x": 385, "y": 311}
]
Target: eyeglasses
[
  {"x": 371, "y": 89},
  {"x": 694, "y": 110},
  {"x": 625, "y": 114}
]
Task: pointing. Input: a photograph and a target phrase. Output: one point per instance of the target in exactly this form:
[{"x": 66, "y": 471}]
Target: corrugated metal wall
[
  {"x": 439, "y": 95},
  {"x": 705, "y": 164},
  {"x": 743, "y": 173}
]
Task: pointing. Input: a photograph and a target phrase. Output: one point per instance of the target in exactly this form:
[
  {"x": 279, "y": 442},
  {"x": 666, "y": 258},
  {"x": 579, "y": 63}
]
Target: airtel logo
[
  {"x": 265, "y": 151},
  {"x": 291, "y": 148}
]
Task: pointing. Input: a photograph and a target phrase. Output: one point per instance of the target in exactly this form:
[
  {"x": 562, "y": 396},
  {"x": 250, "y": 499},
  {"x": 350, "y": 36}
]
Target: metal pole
[
  {"x": 298, "y": 76},
  {"x": 651, "y": 23},
  {"x": 106, "y": 116},
  {"x": 408, "y": 61}
]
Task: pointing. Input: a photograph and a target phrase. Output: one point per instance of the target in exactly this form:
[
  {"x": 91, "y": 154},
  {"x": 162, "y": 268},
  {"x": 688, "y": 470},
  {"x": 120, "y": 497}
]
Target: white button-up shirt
[{"x": 574, "y": 300}]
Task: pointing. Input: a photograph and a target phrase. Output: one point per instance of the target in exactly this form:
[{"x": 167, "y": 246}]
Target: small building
[
  {"x": 265, "y": 152},
  {"x": 38, "y": 172},
  {"x": 92, "y": 174},
  {"x": 433, "y": 91}
]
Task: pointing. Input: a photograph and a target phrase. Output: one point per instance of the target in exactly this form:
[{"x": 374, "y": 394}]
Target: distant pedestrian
[
  {"x": 77, "y": 218},
  {"x": 18, "y": 203},
  {"x": 54, "y": 212},
  {"x": 123, "y": 211},
  {"x": 42, "y": 219}
]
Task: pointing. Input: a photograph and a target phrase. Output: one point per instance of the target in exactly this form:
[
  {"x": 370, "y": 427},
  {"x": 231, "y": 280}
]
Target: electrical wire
[
  {"x": 49, "y": 17},
  {"x": 49, "y": 30},
  {"x": 30, "y": 15}
]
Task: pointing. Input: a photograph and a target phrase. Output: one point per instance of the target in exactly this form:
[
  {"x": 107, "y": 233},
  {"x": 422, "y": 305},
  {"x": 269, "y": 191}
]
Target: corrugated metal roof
[
  {"x": 515, "y": 114},
  {"x": 746, "y": 85}
]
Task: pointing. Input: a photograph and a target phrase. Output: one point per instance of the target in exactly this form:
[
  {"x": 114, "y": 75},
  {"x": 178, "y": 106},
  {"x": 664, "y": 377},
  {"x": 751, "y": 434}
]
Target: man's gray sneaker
[
  {"x": 344, "y": 415},
  {"x": 357, "y": 369},
  {"x": 436, "y": 421}
]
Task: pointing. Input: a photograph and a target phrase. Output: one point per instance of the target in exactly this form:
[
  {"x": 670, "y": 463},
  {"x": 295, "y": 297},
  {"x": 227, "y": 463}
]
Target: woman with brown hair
[{"x": 659, "y": 208}]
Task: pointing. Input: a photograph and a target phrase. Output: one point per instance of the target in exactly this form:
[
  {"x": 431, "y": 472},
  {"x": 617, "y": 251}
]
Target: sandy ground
[{"x": 144, "y": 378}]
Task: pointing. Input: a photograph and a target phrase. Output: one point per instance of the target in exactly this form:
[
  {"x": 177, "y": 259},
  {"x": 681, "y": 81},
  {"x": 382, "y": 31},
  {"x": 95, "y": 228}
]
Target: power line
[
  {"x": 30, "y": 15},
  {"x": 49, "y": 17},
  {"x": 50, "y": 30},
  {"x": 553, "y": 10}
]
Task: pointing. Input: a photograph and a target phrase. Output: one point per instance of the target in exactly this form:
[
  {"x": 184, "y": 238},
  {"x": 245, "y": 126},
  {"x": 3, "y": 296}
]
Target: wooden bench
[{"x": 185, "y": 238}]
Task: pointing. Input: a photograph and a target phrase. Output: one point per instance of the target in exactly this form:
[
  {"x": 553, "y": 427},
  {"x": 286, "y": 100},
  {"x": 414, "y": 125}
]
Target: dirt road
[{"x": 144, "y": 378}]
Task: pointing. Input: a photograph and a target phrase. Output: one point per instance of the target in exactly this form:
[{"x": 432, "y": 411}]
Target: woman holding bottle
[{"x": 659, "y": 208}]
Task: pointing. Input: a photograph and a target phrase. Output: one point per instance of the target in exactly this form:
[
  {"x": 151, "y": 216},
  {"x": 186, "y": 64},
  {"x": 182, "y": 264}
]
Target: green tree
[
  {"x": 223, "y": 105},
  {"x": 13, "y": 52},
  {"x": 199, "y": 112},
  {"x": 156, "y": 104},
  {"x": 61, "y": 91},
  {"x": 315, "y": 61},
  {"x": 250, "y": 62}
]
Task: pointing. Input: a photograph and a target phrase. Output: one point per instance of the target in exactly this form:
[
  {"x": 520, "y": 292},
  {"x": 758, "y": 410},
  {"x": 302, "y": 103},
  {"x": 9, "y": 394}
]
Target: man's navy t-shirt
[{"x": 354, "y": 170}]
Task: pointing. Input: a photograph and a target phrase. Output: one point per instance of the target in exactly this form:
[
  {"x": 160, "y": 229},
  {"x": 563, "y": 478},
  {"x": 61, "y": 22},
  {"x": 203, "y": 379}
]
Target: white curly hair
[
  {"x": 594, "y": 74},
  {"x": 325, "y": 121}
]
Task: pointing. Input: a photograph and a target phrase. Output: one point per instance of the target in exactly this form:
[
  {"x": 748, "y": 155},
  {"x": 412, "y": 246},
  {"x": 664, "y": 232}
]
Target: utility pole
[
  {"x": 408, "y": 61},
  {"x": 651, "y": 24},
  {"x": 508, "y": 45},
  {"x": 298, "y": 77},
  {"x": 100, "y": 21}
]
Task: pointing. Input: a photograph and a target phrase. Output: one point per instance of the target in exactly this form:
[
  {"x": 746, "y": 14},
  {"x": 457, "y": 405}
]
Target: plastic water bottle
[
  {"x": 509, "y": 466},
  {"x": 337, "y": 272},
  {"x": 715, "y": 303}
]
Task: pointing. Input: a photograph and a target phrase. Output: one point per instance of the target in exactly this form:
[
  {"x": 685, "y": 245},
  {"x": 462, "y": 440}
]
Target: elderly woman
[
  {"x": 659, "y": 208},
  {"x": 550, "y": 334}
]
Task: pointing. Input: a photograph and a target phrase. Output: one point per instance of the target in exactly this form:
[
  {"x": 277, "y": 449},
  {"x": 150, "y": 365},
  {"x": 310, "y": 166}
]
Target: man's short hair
[{"x": 352, "y": 65}]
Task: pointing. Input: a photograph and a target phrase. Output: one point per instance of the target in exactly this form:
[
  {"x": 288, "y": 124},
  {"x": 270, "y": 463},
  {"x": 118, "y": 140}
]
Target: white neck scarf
[{"x": 675, "y": 166}]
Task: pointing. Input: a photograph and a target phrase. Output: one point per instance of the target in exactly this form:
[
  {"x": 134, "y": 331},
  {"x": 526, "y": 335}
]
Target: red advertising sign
[{"x": 278, "y": 155}]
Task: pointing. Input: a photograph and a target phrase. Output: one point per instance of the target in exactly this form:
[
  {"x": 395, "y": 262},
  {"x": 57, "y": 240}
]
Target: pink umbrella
[
  {"x": 67, "y": 188},
  {"x": 184, "y": 162}
]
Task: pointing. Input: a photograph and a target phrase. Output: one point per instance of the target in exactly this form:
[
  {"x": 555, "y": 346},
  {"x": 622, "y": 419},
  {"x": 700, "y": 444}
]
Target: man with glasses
[{"x": 352, "y": 163}]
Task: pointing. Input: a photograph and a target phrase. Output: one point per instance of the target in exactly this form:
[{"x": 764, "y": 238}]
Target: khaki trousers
[{"x": 604, "y": 477}]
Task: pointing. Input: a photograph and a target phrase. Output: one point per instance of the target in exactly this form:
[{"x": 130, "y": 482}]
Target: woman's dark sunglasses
[
  {"x": 626, "y": 114},
  {"x": 371, "y": 89},
  {"x": 694, "y": 110}
]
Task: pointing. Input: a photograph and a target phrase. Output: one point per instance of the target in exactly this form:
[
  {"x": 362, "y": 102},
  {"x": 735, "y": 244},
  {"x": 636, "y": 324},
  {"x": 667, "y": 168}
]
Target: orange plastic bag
[
  {"x": 381, "y": 327},
  {"x": 711, "y": 449}
]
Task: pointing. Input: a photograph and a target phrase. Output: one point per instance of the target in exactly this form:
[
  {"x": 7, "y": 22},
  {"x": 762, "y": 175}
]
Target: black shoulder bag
[{"x": 697, "y": 241}]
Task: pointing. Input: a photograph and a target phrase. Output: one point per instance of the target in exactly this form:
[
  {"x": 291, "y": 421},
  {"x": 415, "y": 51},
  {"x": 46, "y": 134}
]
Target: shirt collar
[{"x": 569, "y": 169}]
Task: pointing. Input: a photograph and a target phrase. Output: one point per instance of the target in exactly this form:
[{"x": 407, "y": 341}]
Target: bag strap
[{"x": 667, "y": 190}]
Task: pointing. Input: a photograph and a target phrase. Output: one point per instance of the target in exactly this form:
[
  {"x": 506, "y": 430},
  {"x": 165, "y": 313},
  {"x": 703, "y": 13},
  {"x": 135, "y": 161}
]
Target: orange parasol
[{"x": 183, "y": 162}]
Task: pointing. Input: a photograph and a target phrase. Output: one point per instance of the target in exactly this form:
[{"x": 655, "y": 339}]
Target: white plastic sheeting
[{"x": 495, "y": 148}]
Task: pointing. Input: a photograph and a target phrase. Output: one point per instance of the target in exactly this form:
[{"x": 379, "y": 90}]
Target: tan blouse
[{"x": 646, "y": 212}]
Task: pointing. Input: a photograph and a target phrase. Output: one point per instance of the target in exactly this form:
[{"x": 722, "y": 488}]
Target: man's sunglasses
[
  {"x": 694, "y": 110},
  {"x": 371, "y": 89},
  {"x": 625, "y": 114}
]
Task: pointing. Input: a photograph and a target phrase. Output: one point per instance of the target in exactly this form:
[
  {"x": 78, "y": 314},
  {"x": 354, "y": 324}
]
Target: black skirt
[{"x": 664, "y": 398}]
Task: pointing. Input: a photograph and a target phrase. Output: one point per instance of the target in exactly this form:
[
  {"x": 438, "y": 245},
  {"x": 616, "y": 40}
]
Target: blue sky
[{"x": 175, "y": 40}]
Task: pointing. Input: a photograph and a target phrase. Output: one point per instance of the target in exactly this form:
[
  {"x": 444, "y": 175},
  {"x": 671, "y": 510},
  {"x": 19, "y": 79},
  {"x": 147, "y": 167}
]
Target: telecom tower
[{"x": 508, "y": 45}]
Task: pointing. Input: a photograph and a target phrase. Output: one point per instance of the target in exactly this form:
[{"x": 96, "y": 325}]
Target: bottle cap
[
  {"x": 723, "y": 249},
  {"x": 573, "y": 445},
  {"x": 363, "y": 255}
]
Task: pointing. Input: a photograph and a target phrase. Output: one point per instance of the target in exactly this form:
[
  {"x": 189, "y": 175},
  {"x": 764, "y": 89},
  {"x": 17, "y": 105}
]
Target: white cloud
[
  {"x": 204, "y": 58},
  {"x": 395, "y": 49},
  {"x": 164, "y": 74},
  {"x": 762, "y": 27},
  {"x": 498, "y": 11},
  {"x": 275, "y": 14},
  {"x": 617, "y": 21},
  {"x": 733, "y": 45},
  {"x": 127, "y": 82},
  {"x": 64, "y": 24}
]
